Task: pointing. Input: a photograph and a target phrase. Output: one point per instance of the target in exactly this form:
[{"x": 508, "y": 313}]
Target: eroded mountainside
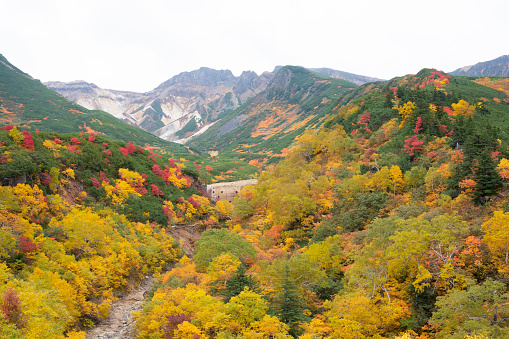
[
  {"x": 264, "y": 127},
  {"x": 185, "y": 104},
  {"x": 178, "y": 107}
]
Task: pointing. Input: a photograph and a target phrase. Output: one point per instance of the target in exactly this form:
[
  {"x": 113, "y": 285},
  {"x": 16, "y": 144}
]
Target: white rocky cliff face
[{"x": 178, "y": 107}]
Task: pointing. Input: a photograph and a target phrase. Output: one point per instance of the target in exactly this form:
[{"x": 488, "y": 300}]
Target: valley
[{"x": 310, "y": 207}]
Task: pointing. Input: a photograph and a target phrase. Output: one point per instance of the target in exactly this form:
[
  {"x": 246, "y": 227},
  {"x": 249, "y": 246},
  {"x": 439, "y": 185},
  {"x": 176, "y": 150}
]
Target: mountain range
[
  {"x": 262, "y": 114},
  {"x": 496, "y": 67},
  {"x": 184, "y": 104},
  {"x": 189, "y": 103}
]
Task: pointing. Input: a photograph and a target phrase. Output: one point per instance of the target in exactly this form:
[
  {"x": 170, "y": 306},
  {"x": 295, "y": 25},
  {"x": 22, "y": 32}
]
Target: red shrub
[
  {"x": 7, "y": 128},
  {"x": 28, "y": 142},
  {"x": 413, "y": 145},
  {"x": 103, "y": 177},
  {"x": 10, "y": 306},
  {"x": 193, "y": 202},
  {"x": 365, "y": 119},
  {"x": 155, "y": 190},
  {"x": 418, "y": 124},
  {"x": 45, "y": 179},
  {"x": 131, "y": 149},
  {"x": 95, "y": 182},
  {"x": 26, "y": 245},
  {"x": 73, "y": 148}
]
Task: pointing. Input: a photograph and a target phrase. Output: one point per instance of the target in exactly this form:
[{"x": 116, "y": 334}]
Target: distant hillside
[
  {"x": 178, "y": 107},
  {"x": 27, "y": 103},
  {"x": 434, "y": 104},
  {"x": 355, "y": 78},
  {"x": 496, "y": 67},
  {"x": 296, "y": 99}
]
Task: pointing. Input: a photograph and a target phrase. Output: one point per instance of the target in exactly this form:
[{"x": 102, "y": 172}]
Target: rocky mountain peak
[
  {"x": 202, "y": 77},
  {"x": 281, "y": 83},
  {"x": 249, "y": 80},
  {"x": 188, "y": 101}
]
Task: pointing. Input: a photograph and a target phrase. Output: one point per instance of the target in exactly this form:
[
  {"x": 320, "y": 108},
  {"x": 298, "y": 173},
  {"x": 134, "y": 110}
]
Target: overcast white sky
[{"x": 136, "y": 45}]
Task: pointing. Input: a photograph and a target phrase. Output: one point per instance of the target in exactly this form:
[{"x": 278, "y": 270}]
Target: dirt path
[
  {"x": 187, "y": 236},
  {"x": 119, "y": 323}
]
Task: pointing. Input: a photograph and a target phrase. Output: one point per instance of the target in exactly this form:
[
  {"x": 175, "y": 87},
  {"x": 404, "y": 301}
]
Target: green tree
[
  {"x": 352, "y": 213},
  {"x": 238, "y": 282},
  {"x": 288, "y": 305},
  {"x": 487, "y": 180},
  {"x": 214, "y": 242},
  {"x": 243, "y": 208},
  {"x": 480, "y": 308}
]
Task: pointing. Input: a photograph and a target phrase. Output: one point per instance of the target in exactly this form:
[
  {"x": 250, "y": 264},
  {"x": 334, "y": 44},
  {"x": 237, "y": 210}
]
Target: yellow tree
[
  {"x": 31, "y": 201},
  {"x": 65, "y": 294},
  {"x": 268, "y": 327},
  {"x": 396, "y": 177},
  {"x": 224, "y": 210},
  {"x": 54, "y": 174},
  {"x": 327, "y": 255},
  {"x": 496, "y": 236},
  {"x": 185, "y": 272},
  {"x": 463, "y": 108},
  {"x": 222, "y": 268},
  {"x": 356, "y": 316},
  {"x": 405, "y": 111},
  {"x": 381, "y": 180},
  {"x": 44, "y": 313},
  {"x": 503, "y": 169},
  {"x": 425, "y": 251},
  {"x": 119, "y": 192},
  {"x": 85, "y": 231},
  {"x": 186, "y": 330},
  {"x": 16, "y": 135},
  {"x": 246, "y": 308},
  {"x": 316, "y": 329},
  {"x": 131, "y": 177}
]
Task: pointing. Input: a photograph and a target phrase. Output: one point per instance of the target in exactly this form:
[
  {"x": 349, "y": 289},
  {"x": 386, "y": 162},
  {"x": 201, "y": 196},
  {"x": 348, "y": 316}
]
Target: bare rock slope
[{"x": 178, "y": 107}]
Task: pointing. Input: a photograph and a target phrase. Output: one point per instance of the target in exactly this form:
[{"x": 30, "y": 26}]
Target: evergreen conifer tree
[
  {"x": 236, "y": 284},
  {"x": 289, "y": 306},
  {"x": 487, "y": 180}
]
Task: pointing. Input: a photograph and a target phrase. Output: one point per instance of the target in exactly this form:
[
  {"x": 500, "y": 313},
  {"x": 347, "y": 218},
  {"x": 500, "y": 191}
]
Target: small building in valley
[{"x": 226, "y": 191}]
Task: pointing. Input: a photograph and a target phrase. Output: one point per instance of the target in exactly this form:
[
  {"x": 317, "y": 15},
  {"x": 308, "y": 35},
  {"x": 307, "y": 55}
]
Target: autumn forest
[{"x": 380, "y": 211}]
